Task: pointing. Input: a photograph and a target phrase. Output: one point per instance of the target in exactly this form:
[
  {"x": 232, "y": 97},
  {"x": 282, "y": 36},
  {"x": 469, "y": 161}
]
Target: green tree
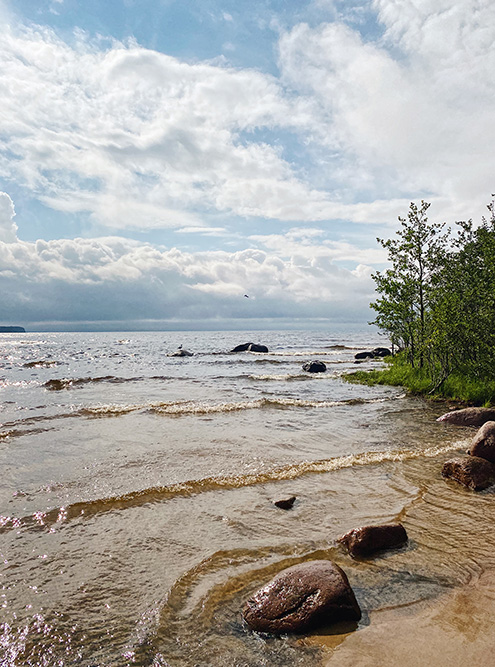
[{"x": 417, "y": 255}]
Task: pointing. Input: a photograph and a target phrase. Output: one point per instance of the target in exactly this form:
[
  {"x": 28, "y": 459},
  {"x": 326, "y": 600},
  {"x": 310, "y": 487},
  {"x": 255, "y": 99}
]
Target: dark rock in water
[
  {"x": 368, "y": 539},
  {"x": 364, "y": 355},
  {"x": 469, "y": 416},
  {"x": 381, "y": 352},
  {"x": 181, "y": 353},
  {"x": 483, "y": 443},
  {"x": 12, "y": 330},
  {"x": 250, "y": 347},
  {"x": 314, "y": 367},
  {"x": 241, "y": 348},
  {"x": 254, "y": 347},
  {"x": 471, "y": 471},
  {"x": 285, "y": 504},
  {"x": 301, "y": 597}
]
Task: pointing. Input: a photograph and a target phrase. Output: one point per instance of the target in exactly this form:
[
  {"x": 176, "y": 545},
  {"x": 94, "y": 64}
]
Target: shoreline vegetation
[{"x": 436, "y": 304}]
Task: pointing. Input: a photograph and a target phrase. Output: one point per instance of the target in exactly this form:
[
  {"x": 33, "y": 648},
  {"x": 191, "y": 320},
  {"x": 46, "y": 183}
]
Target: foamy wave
[{"x": 194, "y": 487}]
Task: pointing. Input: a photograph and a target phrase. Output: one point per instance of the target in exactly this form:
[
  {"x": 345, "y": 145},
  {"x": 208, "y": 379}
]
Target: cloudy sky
[{"x": 160, "y": 159}]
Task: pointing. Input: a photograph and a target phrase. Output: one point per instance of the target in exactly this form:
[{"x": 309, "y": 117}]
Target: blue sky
[{"x": 159, "y": 159}]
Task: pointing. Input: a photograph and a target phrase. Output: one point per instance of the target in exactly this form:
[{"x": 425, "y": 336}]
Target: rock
[
  {"x": 285, "y": 504},
  {"x": 253, "y": 347},
  {"x": 368, "y": 539},
  {"x": 364, "y": 355},
  {"x": 471, "y": 471},
  {"x": 483, "y": 443},
  {"x": 314, "y": 367},
  {"x": 381, "y": 352},
  {"x": 250, "y": 347},
  {"x": 302, "y": 597},
  {"x": 181, "y": 353},
  {"x": 469, "y": 416}
]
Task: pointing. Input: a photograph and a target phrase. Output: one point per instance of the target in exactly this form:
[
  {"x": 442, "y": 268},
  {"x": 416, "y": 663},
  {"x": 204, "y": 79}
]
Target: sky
[{"x": 211, "y": 164}]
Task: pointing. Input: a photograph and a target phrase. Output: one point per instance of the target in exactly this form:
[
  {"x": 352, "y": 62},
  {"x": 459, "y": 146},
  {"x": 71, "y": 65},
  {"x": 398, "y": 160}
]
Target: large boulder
[
  {"x": 470, "y": 471},
  {"x": 468, "y": 416},
  {"x": 483, "y": 443},
  {"x": 314, "y": 367},
  {"x": 368, "y": 539},
  {"x": 250, "y": 347},
  {"x": 301, "y": 597}
]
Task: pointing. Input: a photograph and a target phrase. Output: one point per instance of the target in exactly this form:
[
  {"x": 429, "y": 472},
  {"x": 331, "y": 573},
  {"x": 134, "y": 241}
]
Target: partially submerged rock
[
  {"x": 369, "y": 539},
  {"x": 181, "y": 353},
  {"x": 468, "y": 416},
  {"x": 314, "y": 367},
  {"x": 483, "y": 443},
  {"x": 301, "y": 597},
  {"x": 250, "y": 347},
  {"x": 381, "y": 352},
  {"x": 364, "y": 355},
  {"x": 472, "y": 472},
  {"x": 285, "y": 503}
]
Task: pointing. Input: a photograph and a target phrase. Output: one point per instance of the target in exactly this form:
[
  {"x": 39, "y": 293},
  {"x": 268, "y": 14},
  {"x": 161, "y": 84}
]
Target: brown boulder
[
  {"x": 471, "y": 471},
  {"x": 368, "y": 539},
  {"x": 469, "y": 416},
  {"x": 483, "y": 443},
  {"x": 301, "y": 597}
]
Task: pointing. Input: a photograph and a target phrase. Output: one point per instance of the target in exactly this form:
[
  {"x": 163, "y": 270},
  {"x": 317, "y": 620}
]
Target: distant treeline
[
  {"x": 437, "y": 301},
  {"x": 12, "y": 330}
]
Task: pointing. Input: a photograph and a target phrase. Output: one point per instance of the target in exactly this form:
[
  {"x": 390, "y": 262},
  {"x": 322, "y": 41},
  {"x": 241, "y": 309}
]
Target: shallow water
[{"x": 137, "y": 492}]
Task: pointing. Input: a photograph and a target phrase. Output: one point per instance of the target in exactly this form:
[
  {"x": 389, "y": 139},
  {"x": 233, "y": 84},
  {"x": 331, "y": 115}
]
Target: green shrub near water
[{"x": 398, "y": 372}]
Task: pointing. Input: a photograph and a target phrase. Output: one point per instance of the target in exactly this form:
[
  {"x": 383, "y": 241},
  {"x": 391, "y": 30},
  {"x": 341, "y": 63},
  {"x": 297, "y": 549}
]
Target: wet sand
[{"x": 455, "y": 630}]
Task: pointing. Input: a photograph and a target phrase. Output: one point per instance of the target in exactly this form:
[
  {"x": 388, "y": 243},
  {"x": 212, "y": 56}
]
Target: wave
[
  {"x": 194, "y": 487},
  {"x": 68, "y": 383},
  {"x": 42, "y": 363}
]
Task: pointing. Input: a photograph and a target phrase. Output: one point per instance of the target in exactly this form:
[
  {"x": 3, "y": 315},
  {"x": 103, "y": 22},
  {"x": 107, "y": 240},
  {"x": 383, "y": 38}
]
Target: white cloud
[
  {"x": 417, "y": 122},
  {"x": 112, "y": 279},
  {"x": 8, "y": 228}
]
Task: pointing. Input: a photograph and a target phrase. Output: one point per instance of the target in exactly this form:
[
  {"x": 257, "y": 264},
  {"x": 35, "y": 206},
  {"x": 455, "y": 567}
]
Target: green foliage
[{"x": 437, "y": 304}]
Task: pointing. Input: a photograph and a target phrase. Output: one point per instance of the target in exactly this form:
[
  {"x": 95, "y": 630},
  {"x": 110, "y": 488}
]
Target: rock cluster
[
  {"x": 373, "y": 354},
  {"x": 477, "y": 470},
  {"x": 250, "y": 347}
]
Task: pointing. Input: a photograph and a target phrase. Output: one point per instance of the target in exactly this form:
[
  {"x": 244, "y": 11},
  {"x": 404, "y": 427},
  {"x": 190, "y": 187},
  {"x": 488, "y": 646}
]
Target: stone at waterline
[
  {"x": 367, "y": 540},
  {"x": 483, "y": 443},
  {"x": 468, "y": 416},
  {"x": 302, "y": 597},
  {"x": 470, "y": 471},
  {"x": 381, "y": 352},
  {"x": 314, "y": 367},
  {"x": 181, "y": 353},
  {"x": 250, "y": 347},
  {"x": 285, "y": 503},
  {"x": 364, "y": 355}
]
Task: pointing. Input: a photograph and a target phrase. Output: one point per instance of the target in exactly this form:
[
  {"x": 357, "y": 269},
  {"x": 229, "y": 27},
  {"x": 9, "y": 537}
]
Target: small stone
[
  {"x": 471, "y": 471},
  {"x": 285, "y": 504},
  {"x": 301, "y": 597},
  {"x": 368, "y": 539}
]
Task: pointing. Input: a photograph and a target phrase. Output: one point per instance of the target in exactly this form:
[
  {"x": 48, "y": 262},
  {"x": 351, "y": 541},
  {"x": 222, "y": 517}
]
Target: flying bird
[{"x": 247, "y": 297}]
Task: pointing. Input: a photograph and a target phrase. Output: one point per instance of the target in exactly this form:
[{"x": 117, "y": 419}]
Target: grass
[{"x": 458, "y": 386}]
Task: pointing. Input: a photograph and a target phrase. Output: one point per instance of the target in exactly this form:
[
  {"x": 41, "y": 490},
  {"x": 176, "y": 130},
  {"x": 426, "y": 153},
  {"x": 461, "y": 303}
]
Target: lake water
[{"x": 137, "y": 489}]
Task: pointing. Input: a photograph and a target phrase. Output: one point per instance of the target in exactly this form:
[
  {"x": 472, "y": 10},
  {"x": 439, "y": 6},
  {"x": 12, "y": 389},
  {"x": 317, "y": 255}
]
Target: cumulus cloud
[
  {"x": 8, "y": 228},
  {"x": 413, "y": 111},
  {"x": 116, "y": 279}
]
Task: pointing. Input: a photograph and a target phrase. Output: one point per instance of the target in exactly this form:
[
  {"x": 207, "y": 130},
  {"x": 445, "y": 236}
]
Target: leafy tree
[{"x": 417, "y": 255}]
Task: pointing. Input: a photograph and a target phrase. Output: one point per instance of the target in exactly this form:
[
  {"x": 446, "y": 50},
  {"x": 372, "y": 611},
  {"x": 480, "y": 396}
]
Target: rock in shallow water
[
  {"x": 368, "y": 539},
  {"x": 469, "y": 416},
  {"x": 314, "y": 367},
  {"x": 285, "y": 503},
  {"x": 483, "y": 443},
  {"x": 301, "y": 597},
  {"x": 471, "y": 471}
]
